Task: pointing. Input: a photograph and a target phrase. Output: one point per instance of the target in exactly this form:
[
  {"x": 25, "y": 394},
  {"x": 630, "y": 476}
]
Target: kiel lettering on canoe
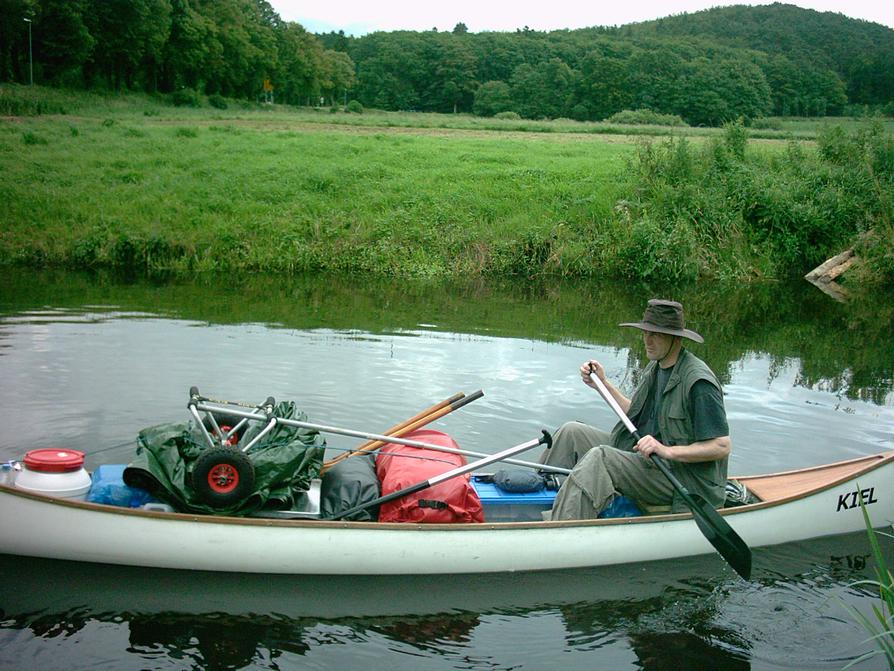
[{"x": 852, "y": 499}]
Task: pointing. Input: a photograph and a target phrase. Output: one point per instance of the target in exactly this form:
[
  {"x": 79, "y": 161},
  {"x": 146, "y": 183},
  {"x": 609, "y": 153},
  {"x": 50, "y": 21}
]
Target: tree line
[
  {"x": 859, "y": 52},
  {"x": 584, "y": 77},
  {"x": 706, "y": 68},
  {"x": 222, "y": 47}
]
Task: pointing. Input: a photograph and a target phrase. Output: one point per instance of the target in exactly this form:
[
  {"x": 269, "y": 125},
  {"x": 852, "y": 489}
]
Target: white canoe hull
[{"x": 41, "y": 526}]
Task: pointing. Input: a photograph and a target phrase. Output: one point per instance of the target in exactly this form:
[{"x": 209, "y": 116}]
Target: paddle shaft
[
  {"x": 659, "y": 462},
  {"x": 447, "y": 475},
  {"x": 716, "y": 529},
  {"x": 420, "y": 419},
  {"x": 409, "y": 427}
]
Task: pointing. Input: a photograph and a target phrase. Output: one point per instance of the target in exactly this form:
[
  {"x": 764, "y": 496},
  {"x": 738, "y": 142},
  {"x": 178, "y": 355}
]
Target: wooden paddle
[
  {"x": 419, "y": 419},
  {"x": 545, "y": 438},
  {"x": 716, "y": 529}
]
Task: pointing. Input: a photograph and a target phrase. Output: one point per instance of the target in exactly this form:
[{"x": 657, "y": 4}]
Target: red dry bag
[{"x": 400, "y": 466}]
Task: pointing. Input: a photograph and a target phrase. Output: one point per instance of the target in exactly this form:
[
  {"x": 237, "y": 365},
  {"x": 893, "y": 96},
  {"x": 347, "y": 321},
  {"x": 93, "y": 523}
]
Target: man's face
[{"x": 657, "y": 345}]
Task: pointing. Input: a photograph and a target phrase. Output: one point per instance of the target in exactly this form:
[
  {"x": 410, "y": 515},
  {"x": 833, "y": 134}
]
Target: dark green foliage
[
  {"x": 492, "y": 98},
  {"x": 829, "y": 56},
  {"x": 217, "y": 101},
  {"x": 100, "y": 248},
  {"x": 528, "y": 256},
  {"x": 645, "y": 117},
  {"x": 185, "y": 97},
  {"x": 776, "y": 215},
  {"x": 708, "y": 68},
  {"x": 865, "y": 161},
  {"x": 709, "y": 75},
  {"x": 765, "y": 124},
  {"x": 32, "y": 101},
  {"x": 355, "y": 107},
  {"x": 29, "y": 137}
]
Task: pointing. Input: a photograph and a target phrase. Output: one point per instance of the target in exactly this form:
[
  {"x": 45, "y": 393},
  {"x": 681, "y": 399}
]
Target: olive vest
[{"x": 706, "y": 478}]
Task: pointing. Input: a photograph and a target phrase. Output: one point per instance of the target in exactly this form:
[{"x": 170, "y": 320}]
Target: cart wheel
[
  {"x": 223, "y": 476},
  {"x": 232, "y": 440},
  {"x": 225, "y": 422}
]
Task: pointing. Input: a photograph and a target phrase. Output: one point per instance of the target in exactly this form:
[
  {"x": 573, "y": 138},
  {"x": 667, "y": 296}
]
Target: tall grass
[
  {"x": 728, "y": 208},
  {"x": 881, "y": 625}
]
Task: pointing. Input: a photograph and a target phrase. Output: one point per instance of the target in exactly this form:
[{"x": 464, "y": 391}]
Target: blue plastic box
[{"x": 500, "y": 506}]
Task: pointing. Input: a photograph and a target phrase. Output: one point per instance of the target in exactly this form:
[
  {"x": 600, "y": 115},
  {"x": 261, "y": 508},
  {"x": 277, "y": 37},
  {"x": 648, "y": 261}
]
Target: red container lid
[{"x": 54, "y": 460}]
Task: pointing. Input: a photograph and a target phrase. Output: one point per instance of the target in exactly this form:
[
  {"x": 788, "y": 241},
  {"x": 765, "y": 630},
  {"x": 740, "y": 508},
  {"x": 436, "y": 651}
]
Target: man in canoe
[{"x": 677, "y": 409}]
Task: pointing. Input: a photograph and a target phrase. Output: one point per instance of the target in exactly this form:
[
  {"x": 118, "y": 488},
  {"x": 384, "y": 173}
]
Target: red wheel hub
[
  {"x": 223, "y": 478},
  {"x": 232, "y": 440}
]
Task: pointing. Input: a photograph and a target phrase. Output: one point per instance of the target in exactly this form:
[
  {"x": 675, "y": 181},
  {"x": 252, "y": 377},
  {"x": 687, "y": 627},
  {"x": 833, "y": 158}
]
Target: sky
[{"x": 358, "y": 17}]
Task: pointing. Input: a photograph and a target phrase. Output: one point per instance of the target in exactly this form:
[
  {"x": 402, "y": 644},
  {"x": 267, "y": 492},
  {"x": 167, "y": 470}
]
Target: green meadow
[
  {"x": 259, "y": 191},
  {"x": 131, "y": 182}
]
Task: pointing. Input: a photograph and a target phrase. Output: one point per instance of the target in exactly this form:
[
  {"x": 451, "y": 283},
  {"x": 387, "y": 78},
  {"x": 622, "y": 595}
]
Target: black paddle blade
[{"x": 721, "y": 535}]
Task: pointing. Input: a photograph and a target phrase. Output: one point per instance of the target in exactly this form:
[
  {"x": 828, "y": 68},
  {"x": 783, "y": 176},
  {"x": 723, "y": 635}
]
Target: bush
[
  {"x": 716, "y": 207},
  {"x": 514, "y": 116},
  {"x": 580, "y": 112},
  {"x": 659, "y": 252},
  {"x": 185, "y": 97},
  {"x": 217, "y": 101},
  {"x": 765, "y": 123},
  {"x": 355, "y": 107},
  {"x": 645, "y": 117},
  {"x": 735, "y": 138},
  {"x": 492, "y": 98},
  {"x": 17, "y": 100},
  {"x": 30, "y": 138}
]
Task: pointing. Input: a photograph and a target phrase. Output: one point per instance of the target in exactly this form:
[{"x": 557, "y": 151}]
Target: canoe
[{"x": 793, "y": 505}]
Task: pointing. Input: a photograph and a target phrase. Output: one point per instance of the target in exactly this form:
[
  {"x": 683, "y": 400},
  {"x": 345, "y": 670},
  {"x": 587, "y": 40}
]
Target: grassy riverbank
[{"x": 133, "y": 183}]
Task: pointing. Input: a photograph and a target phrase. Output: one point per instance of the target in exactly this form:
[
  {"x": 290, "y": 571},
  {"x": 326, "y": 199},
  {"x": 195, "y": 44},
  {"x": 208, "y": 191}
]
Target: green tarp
[{"x": 284, "y": 461}]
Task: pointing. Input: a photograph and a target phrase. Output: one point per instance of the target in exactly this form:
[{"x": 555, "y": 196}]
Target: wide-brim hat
[{"x": 664, "y": 316}]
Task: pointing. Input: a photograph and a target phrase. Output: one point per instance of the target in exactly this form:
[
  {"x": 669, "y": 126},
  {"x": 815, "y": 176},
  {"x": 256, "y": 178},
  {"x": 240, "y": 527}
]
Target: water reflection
[
  {"x": 689, "y": 613},
  {"x": 844, "y": 349},
  {"x": 215, "y": 641},
  {"x": 662, "y": 652}
]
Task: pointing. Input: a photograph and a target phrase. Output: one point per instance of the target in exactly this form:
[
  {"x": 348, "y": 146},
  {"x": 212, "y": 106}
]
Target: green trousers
[{"x": 599, "y": 473}]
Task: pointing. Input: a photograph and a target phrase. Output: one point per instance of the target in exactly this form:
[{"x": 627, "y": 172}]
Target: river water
[{"x": 86, "y": 361}]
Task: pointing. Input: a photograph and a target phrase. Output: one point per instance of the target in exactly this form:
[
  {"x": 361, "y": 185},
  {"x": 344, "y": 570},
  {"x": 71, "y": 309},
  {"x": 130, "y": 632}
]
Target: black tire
[{"x": 223, "y": 477}]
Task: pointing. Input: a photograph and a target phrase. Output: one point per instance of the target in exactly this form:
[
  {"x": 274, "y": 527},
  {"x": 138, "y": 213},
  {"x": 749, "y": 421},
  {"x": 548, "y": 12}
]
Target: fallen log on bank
[
  {"x": 829, "y": 270},
  {"x": 824, "y": 275}
]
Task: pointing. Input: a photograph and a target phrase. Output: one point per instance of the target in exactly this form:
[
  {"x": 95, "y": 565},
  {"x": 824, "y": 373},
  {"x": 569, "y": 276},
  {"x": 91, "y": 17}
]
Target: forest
[{"x": 704, "y": 68}]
